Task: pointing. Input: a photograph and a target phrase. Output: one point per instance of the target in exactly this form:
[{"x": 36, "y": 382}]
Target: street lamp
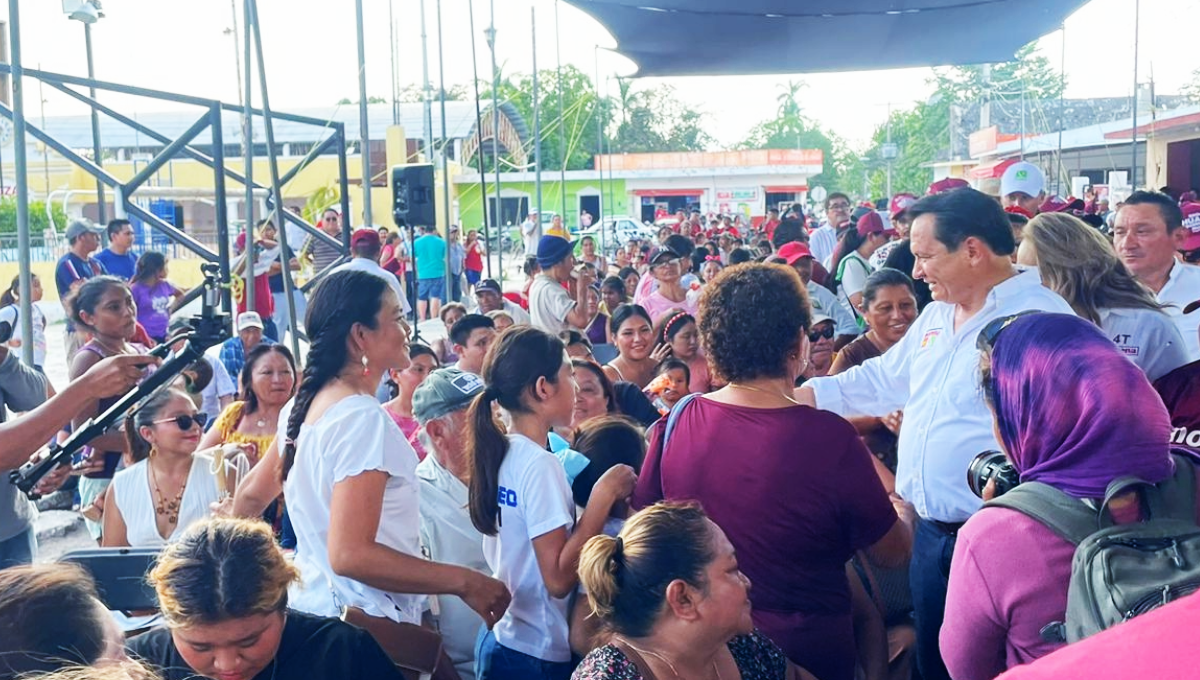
[{"x": 89, "y": 12}]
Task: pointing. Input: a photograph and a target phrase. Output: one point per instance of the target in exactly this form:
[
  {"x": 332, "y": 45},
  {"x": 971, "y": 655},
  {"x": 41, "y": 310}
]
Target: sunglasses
[
  {"x": 987, "y": 337},
  {"x": 185, "y": 422},
  {"x": 814, "y": 336}
]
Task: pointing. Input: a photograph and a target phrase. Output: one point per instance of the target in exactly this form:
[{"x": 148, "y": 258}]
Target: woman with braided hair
[{"x": 348, "y": 473}]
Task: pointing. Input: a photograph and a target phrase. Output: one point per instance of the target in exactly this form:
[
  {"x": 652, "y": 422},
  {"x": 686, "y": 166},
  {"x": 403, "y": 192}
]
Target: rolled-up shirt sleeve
[{"x": 876, "y": 387}]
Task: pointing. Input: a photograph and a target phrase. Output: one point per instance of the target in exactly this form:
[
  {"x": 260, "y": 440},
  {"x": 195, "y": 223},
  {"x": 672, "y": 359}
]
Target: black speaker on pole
[{"x": 412, "y": 194}]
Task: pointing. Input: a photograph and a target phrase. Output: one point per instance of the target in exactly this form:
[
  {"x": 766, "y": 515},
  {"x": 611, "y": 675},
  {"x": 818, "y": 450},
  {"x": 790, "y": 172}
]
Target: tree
[
  {"x": 647, "y": 127},
  {"x": 1029, "y": 74},
  {"x": 414, "y": 94},
  {"x": 1191, "y": 89},
  {"x": 791, "y": 129},
  {"x": 38, "y": 220},
  {"x": 345, "y": 101}
]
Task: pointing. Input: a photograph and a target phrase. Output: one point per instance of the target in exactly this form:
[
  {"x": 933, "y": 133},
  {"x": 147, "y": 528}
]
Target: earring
[{"x": 364, "y": 364}]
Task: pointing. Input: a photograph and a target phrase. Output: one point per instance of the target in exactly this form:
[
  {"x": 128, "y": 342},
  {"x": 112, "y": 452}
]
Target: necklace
[
  {"x": 752, "y": 388},
  {"x": 660, "y": 657},
  {"x": 162, "y": 505}
]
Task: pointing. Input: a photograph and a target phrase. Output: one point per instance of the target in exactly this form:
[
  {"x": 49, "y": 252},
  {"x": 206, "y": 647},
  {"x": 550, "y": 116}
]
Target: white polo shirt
[
  {"x": 450, "y": 537},
  {"x": 1183, "y": 288},
  {"x": 933, "y": 374},
  {"x": 1148, "y": 337},
  {"x": 821, "y": 242}
]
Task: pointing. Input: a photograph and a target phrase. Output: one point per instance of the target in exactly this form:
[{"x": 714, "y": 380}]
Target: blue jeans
[
  {"x": 282, "y": 317},
  {"x": 928, "y": 575},
  {"x": 494, "y": 661},
  {"x": 18, "y": 550}
]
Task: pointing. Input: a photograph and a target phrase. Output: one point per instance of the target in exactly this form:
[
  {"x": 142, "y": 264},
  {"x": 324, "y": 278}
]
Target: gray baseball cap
[
  {"x": 444, "y": 391},
  {"x": 80, "y": 227}
]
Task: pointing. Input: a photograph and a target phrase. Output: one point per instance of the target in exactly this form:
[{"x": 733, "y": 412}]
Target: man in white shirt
[
  {"x": 447, "y": 534},
  {"x": 1148, "y": 232},
  {"x": 491, "y": 299},
  {"x": 551, "y": 307},
  {"x": 824, "y": 238},
  {"x": 365, "y": 248},
  {"x": 962, "y": 241},
  {"x": 531, "y": 232},
  {"x": 798, "y": 256}
]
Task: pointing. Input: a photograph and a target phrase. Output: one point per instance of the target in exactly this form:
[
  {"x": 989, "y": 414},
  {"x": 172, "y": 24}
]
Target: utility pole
[
  {"x": 1137, "y": 17},
  {"x": 97, "y": 154},
  {"x": 248, "y": 153},
  {"x": 364, "y": 133},
  {"x": 20, "y": 169},
  {"x": 427, "y": 89},
  {"x": 490, "y": 32},
  {"x": 537, "y": 117}
]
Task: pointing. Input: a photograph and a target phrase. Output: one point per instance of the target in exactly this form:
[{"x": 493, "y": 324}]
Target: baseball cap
[
  {"x": 249, "y": 320},
  {"x": 819, "y": 318},
  {"x": 794, "y": 251},
  {"x": 1024, "y": 177},
  {"x": 444, "y": 391},
  {"x": 900, "y": 203},
  {"x": 553, "y": 249},
  {"x": 947, "y": 184},
  {"x": 1191, "y": 222},
  {"x": 364, "y": 237},
  {"x": 872, "y": 223},
  {"x": 1060, "y": 204},
  {"x": 80, "y": 227},
  {"x": 489, "y": 285},
  {"x": 663, "y": 254}
]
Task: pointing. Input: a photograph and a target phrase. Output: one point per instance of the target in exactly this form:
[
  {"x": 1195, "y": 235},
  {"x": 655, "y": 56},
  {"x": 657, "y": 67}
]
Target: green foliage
[
  {"x": 345, "y": 101},
  {"x": 1191, "y": 89},
  {"x": 1029, "y": 72},
  {"x": 791, "y": 129},
  {"x": 38, "y": 220},
  {"x": 413, "y": 94},
  {"x": 654, "y": 121}
]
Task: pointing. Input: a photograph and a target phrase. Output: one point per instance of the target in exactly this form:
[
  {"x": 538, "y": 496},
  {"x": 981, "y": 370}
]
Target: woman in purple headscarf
[{"x": 1071, "y": 412}]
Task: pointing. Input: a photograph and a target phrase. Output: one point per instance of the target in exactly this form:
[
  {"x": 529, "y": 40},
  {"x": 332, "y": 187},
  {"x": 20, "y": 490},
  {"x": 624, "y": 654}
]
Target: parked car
[{"x": 617, "y": 231}]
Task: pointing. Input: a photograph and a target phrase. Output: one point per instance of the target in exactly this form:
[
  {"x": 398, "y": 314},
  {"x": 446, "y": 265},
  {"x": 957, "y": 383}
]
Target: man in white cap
[
  {"x": 531, "y": 232},
  {"x": 1023, "y": 186},
  {"x": 233, "y": 351}
]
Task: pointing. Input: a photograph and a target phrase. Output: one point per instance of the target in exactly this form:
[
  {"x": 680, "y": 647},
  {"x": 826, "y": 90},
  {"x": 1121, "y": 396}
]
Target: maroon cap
[
  {"x": 364, "y": 237},
  {"x": 948, "y": 184},
  {"x": 1191, "y": 222},
  {"x": 901, "y": 203},
  {"x": 872, "y": 223},
  {"x": 1060, "y": 204}
]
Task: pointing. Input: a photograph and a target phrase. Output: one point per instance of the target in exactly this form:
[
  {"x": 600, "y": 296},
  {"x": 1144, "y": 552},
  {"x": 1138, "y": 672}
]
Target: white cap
[
  {"x": 1024, "y": 177},
  {"x": 249, "y": 320}
]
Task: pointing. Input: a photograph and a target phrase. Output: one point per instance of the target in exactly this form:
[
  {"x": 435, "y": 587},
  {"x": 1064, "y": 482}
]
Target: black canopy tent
[{"x": 741, "y": 37}]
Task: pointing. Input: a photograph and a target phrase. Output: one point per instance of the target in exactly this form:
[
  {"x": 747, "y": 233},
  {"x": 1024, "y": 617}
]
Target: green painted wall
[{"x": 470, "y": 205}]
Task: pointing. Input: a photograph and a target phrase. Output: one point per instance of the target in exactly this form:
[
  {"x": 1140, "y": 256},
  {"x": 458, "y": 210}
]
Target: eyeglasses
[
  {"x": 839, "y": 206},
  {"x": 814, "y": 335},
  {"x": 185, "y": 422},
  {"x": 987, "y": 337},
  {"x": 331, "y": 218},
  {"x": 668, "y": 263}
]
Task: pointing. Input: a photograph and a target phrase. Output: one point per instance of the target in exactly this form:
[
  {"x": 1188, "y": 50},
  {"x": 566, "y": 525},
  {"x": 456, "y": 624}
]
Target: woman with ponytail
[
  {"x": 521, "y": 502},
  {"x": 348, "y": 473},
  {"x": 674, "y": 604},
  {"x": 851, "y": 264},
  {"x": 151, "y": 503}
]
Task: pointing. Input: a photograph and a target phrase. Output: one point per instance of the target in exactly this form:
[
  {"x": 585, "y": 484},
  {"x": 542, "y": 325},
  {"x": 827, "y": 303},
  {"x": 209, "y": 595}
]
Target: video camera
[
  {"x": 204, "y": 331},
  {"x": 991, "y": 465}
]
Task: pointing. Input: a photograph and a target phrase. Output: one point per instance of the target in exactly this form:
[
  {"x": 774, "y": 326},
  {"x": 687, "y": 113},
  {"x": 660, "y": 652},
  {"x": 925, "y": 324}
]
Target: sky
[{"x": 311, "y": 56}]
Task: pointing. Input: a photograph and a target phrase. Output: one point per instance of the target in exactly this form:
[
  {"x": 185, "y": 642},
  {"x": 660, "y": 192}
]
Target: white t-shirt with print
[
  {"x": 534, "y": 500},
  {"x": 353, "y": 436}
]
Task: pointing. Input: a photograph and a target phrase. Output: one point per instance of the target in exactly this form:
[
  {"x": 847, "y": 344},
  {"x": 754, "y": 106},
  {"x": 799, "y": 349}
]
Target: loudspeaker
[{"x": 412, "y": 194}]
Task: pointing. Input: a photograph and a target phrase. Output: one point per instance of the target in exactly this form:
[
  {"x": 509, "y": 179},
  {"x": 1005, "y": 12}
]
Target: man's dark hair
[
  {"x": 680, "y": 244},
  {"x": 787, "y": 231},
  {"x": 461, "y": 331},
  {"x": 115, "y": 227},
  {"x": 1167, "y": 207},
  {"x": 964, "y": 213},
  {"x": 835, "y": 195},
  {"x": 739, "y": 255}
]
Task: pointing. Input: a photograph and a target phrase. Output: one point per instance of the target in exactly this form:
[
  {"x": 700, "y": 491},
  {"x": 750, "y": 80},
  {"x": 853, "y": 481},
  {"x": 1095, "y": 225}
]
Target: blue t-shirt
[
  {"x": 122, "y": 266},
  {"x": 430, "y": 250},
  {"x": 72, "y": 268}
]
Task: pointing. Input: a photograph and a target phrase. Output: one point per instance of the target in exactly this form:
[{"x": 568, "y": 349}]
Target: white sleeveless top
[{"x": 134, "y": 497}]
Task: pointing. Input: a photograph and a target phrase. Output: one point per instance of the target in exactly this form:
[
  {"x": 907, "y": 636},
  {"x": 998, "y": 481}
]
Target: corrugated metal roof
[{"x": 76, "y": 131}]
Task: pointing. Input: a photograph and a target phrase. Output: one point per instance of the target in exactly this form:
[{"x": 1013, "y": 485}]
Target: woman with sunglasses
[
  {"x": 805, "y": 498},
  {"x": 151, "y": 502},
  {"x": 1070, "y": 412},
  {"x": 820, "y": 347},
  {"x": 666, "y": 266}
]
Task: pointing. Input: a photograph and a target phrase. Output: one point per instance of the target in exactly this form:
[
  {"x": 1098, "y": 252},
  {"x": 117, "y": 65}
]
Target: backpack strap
[
  {"x": 1069, "y": 518},
  {"x": 1174, "y": 497},
  {"x": 673, "y": 417}
]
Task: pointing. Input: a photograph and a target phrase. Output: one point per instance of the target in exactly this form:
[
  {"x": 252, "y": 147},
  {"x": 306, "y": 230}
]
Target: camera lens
[{"x": 984, "y": 467}]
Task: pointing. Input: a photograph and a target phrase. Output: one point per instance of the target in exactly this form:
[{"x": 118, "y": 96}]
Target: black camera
[{"x": 991, "y": 465}]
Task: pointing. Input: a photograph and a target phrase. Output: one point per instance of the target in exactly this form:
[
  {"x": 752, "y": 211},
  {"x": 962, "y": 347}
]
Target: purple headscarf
[{"x": 1073, "y": 411}]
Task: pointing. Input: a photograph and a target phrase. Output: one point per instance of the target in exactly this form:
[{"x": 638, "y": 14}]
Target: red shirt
[
  {"x": 473, "y": 261},
  {"x": 796, "y": 506}
]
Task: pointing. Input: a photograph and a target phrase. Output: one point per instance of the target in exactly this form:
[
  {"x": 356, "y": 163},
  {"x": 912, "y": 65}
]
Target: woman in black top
[{"x": 222, "y": 590}]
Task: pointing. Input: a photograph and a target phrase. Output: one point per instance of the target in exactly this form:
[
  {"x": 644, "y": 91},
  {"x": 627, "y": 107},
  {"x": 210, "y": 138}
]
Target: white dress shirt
[
  {"x": 933, "y": 374},
  {"x": 822, "y": 242},
  {"x": 1183, "y": 288}
]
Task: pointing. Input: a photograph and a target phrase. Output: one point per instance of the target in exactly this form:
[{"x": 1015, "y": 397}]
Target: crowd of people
[{"x": 874, "y": 442}]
